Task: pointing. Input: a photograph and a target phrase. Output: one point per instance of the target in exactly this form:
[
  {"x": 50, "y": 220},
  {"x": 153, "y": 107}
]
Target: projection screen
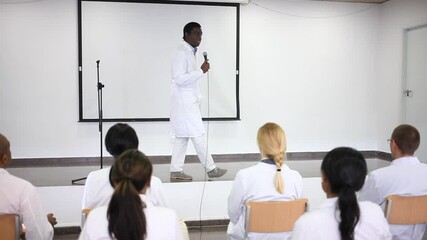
[{"x": 134, "y": 42}]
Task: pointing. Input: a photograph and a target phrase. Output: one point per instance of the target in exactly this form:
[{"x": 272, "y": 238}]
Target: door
[{"x": 415, "y": 84}]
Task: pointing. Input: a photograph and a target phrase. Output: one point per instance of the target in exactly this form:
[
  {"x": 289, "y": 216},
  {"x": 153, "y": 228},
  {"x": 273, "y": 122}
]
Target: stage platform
[{"x": 60, "y": 172}]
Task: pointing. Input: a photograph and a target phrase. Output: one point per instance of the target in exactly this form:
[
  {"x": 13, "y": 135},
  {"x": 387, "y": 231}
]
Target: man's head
[
  {"x": 405, "y": 140},
  {"x": 120, "y": 138},
  {"x": 192, "y": 34},
  {"x": 5, "y": 154}
]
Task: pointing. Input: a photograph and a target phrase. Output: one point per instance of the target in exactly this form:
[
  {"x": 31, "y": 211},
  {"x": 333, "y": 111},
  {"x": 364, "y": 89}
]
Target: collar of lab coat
[
  {"x": 268, "y": 161},
  {"x": 284, "y": 166},
  {"x": 409, "y": 160},
  {"x": 187, "y": 46},
  {"x": 2, "y": 170},
  {"x": 329, "y": 202}
]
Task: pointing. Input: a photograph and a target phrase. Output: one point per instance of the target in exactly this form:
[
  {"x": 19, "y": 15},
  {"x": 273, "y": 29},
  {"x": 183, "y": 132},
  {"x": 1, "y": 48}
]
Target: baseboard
[
  {"x": 191, "y": 225},
  {"x": 220, "y": 158},
  {"x": 207, "y": 223},
  {"x": 67, "y": 230}
]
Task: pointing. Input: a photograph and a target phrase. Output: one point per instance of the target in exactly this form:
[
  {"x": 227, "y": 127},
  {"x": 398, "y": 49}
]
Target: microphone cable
[{"x": 206, "y": 157}]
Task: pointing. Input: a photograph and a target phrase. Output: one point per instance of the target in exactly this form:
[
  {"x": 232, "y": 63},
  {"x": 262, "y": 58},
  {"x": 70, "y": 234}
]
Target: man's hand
[
  {"x": 51, "y": 219},
  {"x": 205, "y": 66}
]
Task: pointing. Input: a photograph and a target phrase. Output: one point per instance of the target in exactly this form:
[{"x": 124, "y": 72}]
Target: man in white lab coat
[
  {"x": 20, "y": 197},
  {"x": 185, "y": 117},
  {"x": 406, "y": 175}
]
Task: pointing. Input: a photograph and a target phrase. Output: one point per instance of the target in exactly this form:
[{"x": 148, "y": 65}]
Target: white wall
[
  {"x": 313, "y": 73},
  {"x": 395, "y": 17}
]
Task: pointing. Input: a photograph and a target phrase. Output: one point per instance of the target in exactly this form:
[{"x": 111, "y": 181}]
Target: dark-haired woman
[
  {"x": 131, "y": 215},
  {"x": 341, "y": 216}
]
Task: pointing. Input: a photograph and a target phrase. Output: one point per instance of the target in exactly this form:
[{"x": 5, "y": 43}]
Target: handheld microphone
[
  {"x": 97, "y": 61},
  {"x": 205, "y": 55}
]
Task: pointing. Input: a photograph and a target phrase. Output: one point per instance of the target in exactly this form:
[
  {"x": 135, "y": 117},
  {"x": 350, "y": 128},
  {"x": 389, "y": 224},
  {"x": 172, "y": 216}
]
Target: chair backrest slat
[
  {"x": 9, "y": 226},
  {"x": 267, "y": 217},
  {"x": 406, "y": 209}
]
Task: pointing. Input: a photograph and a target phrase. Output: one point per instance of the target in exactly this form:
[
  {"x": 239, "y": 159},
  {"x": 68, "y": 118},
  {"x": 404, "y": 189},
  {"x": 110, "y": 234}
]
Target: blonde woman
[{"x": 269, "y": 180}]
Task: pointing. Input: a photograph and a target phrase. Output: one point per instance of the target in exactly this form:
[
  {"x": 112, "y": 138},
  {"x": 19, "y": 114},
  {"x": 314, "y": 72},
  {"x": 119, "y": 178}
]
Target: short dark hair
[
  {"x": 120, "y": 138},
  {"x": 189, "y": 27},
  {"x": 407, "y": 138}
]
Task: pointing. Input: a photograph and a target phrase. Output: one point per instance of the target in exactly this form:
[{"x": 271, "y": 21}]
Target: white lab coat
[
  {"x": 162, "y": 223},
  {"x": 405, "y": 176},
  {"x": 185, "y": 117},
  {"x": 18, "y": 196},
  {"x": 256, "y": 183},
  {"x": 322, "y": 223},
  {"x": 98, "y": 190}
]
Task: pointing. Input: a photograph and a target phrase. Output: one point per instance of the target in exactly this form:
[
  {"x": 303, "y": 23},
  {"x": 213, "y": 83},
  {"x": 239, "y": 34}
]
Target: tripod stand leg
[{"x": 77, "y": 180}]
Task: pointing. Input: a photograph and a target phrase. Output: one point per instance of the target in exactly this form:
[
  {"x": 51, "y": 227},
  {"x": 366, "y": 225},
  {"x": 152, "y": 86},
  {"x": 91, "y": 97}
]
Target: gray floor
[{"x": 62, "y": 176}]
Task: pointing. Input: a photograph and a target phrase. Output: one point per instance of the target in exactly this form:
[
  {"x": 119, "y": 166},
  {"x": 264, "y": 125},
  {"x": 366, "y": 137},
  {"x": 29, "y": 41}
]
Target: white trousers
[{"x": 180, "y": 149}]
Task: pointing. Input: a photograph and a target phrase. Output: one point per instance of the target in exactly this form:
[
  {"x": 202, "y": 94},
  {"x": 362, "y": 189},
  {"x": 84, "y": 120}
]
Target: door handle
[{"x": 408, "y": 93}]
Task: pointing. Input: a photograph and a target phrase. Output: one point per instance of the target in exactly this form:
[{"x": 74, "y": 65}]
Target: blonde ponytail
[
  {"x": 272, "y": 143},
  {"x": 278, "y": 180}
]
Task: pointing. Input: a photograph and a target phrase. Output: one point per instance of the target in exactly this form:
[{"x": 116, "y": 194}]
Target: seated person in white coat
[
  {"x": 406, "y": 175},
  {"x": 20, "y": 197},
  {"x": 98, "y": 188},
  {"x": 269, "y": 180},
  {"x": 131, "y": 215},
  {"x": 341, "y": 216}
]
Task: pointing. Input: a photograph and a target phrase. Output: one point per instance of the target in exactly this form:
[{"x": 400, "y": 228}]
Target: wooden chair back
[
  {"x": 9, "y": 227},
  {"x": 406, "y": 209},
  {"x": 270, "y": 217}
]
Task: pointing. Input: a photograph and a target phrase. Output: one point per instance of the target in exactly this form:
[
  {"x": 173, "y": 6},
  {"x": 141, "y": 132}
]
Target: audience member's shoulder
[
  {"x": 155, "y": 180},
  {"x": 314, "y": 216},
  {"x": 384, "y": 170},
  {"x": 162, "y": 211},
  {"x": 19, "y": 182},
  {"x": 100, "y": 172},
  {"x": 370, "y": 207}
]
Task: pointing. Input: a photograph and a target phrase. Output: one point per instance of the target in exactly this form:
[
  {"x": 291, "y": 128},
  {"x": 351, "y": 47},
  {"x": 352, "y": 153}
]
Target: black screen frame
[{"x": 80, "y": 62}]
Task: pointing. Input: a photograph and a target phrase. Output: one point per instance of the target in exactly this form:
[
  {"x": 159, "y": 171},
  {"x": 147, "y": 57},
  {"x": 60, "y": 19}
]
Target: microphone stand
[{"x": 99, "y": 86}]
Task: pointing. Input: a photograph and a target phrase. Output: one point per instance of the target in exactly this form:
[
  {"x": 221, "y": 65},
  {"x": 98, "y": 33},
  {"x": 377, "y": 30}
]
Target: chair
[
  {"x": 9, "y": 227},
  {"x": 269, "y": 217},
  {"x": 406, "y": 209},
  {"x": 85, "y": 213}
]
